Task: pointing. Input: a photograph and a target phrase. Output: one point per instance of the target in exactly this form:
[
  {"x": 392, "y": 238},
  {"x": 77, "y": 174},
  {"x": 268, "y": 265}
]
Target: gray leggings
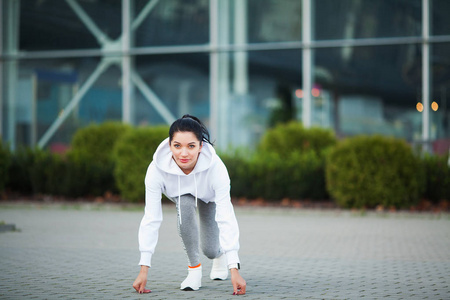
[{"x": 189, "y": 229}]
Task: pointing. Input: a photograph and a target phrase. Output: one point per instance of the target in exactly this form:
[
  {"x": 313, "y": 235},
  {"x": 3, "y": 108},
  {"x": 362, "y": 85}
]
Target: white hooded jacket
[{"x": 208, "y": 182}]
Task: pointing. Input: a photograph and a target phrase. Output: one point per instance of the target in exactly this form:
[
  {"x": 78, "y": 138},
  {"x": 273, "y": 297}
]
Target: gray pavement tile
[{"x": 286, "y": 254}]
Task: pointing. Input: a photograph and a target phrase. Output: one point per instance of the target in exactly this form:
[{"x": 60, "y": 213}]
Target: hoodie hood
[{"x": 164, "y": 161}]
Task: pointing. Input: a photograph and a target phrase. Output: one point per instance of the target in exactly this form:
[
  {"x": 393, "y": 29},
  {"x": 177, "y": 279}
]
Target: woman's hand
[
  {"x": 141, "y": 281},
  {"x": 239, "y": 284}
]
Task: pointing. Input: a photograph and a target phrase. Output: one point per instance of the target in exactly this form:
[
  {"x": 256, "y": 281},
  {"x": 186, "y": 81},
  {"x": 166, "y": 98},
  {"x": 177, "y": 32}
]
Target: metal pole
[
  {"x": 1, "y": 72},
  {"x": 426, "y": 75},
  {"x": 12, "y": 36},
  {"x": 213, "y": 67},
  {"x": 307, "y": 63},
  {"x": 224, "y": 116},
  {"x": 126, "y": 62},
  {"x": 240, "y": 57}
]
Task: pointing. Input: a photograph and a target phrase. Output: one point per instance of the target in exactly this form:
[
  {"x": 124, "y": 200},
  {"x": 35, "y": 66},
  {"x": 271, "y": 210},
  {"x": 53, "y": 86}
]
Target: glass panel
[
  {"x": 440, "y": 98},
  {"x": 55, "y": 25},
  {"x": 274, "y": 20},
  {"x": 355, "y": 19},
  {"x": 172, "y": 22},
  {"x": 45, "y": 88},
  {"x": 179, "y": 82},
  {"x": 439, "y": 17},
  {"x": 374, "y": 89},
  {"x": 256, "y": 92}
]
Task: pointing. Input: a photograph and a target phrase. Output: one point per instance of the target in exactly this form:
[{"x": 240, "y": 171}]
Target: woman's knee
[{"x": 211, "y": 252}]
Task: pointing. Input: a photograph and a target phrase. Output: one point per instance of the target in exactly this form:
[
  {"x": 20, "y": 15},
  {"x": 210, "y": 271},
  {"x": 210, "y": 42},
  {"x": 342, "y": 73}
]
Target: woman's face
[{"x": 185, "y": 149}]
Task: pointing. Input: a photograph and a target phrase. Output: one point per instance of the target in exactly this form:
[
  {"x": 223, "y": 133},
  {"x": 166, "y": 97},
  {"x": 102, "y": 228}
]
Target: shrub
[
  {"x": 238, "y": 167},
  {"x": 5, "y": 161},
  {"x": 133, "y": 152},
  {"x": 437, "y": 177},
  {"x": 91, "y": 160},
  {"x": 36, "y": 171},
  {"x": 293, "y": 137},
  {"x": 366, "y": 171},
  {"x": 273, "y": 177},
  {"x": 19, "y": 171}
]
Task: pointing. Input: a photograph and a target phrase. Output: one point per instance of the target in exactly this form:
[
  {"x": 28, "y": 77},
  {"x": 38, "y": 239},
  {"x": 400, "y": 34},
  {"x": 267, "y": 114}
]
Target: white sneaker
[
  {"x": 193, "y": 281},
  {"x": 219, "y": 270}
]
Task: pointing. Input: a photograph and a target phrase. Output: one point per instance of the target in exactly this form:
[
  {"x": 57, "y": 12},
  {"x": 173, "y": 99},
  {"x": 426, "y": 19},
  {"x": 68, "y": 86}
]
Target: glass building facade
[{"x": 242, "y": 66}]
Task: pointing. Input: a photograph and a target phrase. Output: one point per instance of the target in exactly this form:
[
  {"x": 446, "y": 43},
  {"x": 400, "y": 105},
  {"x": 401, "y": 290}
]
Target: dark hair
[{"x": 188, "y": 123}]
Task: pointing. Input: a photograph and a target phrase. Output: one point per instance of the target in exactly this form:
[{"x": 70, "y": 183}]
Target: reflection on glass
[
  {"x": 45, "y": 88},
  {"x": 355, "y": 19},
  {"x": 274, "y": 21},
  {"x": 57, "y": 25},
  {"x": 267, "y": 98},
  {"x": 172, "y": 22},
  {"x": 170, "y": 86},
  {"x": 372, "y": 89},
  {"x": 440, "y": 98},
  {"x": 439, "y": 17}
]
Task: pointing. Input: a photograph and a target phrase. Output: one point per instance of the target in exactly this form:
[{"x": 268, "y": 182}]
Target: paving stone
[{"x": 285, "y": 254}]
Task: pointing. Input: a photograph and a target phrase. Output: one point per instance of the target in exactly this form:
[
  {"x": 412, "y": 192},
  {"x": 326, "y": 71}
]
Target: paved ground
[{"x": 91, "y": 253}]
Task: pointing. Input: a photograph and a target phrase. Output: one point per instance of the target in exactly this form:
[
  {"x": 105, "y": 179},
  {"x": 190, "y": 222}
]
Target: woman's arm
[{"x": 141, "y": 281}]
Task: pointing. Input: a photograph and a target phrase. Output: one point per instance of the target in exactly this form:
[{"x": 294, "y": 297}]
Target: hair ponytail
[{"x": 189, "y": 123}]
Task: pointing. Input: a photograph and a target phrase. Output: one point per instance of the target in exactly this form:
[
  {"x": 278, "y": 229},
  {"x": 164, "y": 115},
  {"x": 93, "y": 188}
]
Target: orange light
[
  {"x": 299, "y": 93},
  {"x": 419, "y": 107},
  {"x": 434, "y": 106},
  {"x": 315, "y": 92}
]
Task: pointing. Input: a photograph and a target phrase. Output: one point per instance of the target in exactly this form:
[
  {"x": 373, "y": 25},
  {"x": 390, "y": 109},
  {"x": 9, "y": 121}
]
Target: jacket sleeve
[
  {"x": 225, "y": 216},
  {"x": 149, "y": 227}
]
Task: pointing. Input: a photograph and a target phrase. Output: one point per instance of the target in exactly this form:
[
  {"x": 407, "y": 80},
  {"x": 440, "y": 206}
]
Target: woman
[{"x": 187, "y": 170}]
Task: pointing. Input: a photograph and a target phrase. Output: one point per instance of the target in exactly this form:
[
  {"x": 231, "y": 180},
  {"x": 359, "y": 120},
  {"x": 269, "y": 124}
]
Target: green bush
[
  {"x": 437, "y": 176},
  {"x": 133, "y": 153},
  {"x": 91, "y": 160},
  {"x": 367, "y": 171},
  {"x": 5, "y": 161},
  {"x": 285, "y": 139},
  {"x": 36, "y": 171},
  {"x": 19, "y": 171},
  {"x": 273, "y": 177}
]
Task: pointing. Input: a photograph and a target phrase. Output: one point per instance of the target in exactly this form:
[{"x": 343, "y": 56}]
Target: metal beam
[
  {"x": 152, "y": 98},
  {"x": 143, "y": 14},
  {"x": 157, "y": 50},
  {"x": 102, "y": 66},
  {"x": 90, "y": 25}
]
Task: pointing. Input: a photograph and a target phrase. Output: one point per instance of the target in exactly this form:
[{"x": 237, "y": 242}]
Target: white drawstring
[
  {"x": 179, "y": 195},
  {"x": 179, "y": 199},
  {"x": 195, "y": 180}
]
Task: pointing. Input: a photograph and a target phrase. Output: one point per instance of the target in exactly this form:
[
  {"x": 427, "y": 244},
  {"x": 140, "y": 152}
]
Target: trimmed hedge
[
  {"x": 91, "y": 161},
  {"x": 5, "y": 161},
  {"x": 36, "y": 171},
  {"x": 367, "y": 171},
  {"x": 285, "y": 139},
  {"x": 273, "y": 177},
  {"x": 133, "y": 153},
  {"x": 289, "y": 163},
  {"x": 437, "y": 176}
]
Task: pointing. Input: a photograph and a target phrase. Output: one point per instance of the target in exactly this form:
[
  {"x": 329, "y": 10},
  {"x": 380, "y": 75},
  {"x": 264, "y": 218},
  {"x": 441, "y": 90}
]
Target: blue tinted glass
[
  {"x": 440, "y": 17},
  {"x": 354, "y": 19},
  {"x": 274, "y": 21},
  {"x": 55, "y": 25},
  {"x": 172, "y": 22}
]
